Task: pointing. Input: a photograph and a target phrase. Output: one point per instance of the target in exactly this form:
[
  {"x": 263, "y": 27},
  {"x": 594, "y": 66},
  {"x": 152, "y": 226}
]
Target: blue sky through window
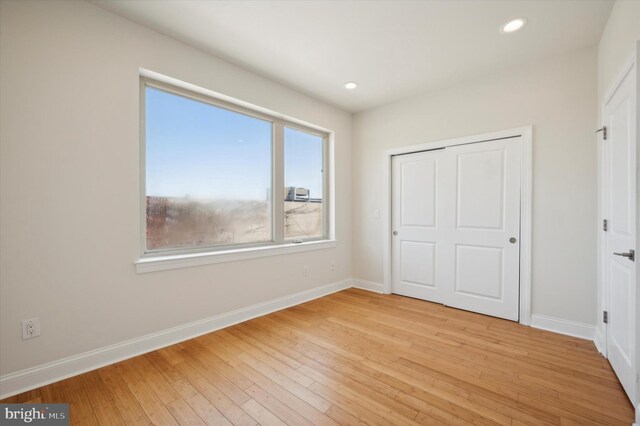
[
  {"x": 303, "y": 161},
  {"x": 201, "y": 151}
]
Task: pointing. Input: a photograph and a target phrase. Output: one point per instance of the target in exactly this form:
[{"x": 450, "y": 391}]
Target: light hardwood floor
[{"x": 355, "y": 357}]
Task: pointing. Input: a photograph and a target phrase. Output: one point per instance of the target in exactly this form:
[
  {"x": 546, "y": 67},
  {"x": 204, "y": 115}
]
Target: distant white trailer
[{"x": 297, "y": 194}]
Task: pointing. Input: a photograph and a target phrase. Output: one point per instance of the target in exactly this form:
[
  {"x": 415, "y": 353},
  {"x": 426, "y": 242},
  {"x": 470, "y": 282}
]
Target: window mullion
[
  {"x": 278, "y": 182},
  {"x": 327, "y": 189}
]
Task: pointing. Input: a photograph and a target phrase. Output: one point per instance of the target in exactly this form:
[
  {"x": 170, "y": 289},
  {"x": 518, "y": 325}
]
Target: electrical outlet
[
  {"x": 305, "y": 271},
  {"x": 30, "y": 328}
]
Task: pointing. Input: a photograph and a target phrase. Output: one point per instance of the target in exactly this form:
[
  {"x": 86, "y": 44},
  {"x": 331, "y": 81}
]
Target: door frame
[
  {"x": 600, "y": 338},
  {"x": 526, "y": 170}
]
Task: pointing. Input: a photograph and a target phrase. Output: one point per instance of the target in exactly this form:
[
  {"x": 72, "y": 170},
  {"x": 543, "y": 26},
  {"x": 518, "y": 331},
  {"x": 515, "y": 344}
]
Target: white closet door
[
  {"x": 456, "y": 224},
  {"x": 483, "y": 190},
  {"x": 417, "y": 225}
]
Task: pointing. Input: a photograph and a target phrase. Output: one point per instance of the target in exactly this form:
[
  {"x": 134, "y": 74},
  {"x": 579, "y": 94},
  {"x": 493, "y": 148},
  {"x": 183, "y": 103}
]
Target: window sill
[{"x": 163, "y": 263}]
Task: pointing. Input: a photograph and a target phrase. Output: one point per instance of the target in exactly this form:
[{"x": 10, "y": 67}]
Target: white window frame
[{"x": 177, "y": 258}]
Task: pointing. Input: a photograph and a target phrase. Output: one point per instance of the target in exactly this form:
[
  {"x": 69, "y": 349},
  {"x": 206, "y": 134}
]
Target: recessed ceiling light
[
  {"x": 513, "y": 25},
  {"x": 350, "y": 85}
]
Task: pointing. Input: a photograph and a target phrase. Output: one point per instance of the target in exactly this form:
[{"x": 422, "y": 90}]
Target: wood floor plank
[
  {"x": 80, "y": 408},
  {"x": 343, "y": 417},
  {"x": 387, "y": 408},
  {"x": 218, "y": 399},
  {"x": 282, "y": 411},
  {"x": 208, "y": 356},
  {"x": 184, "y": 414},
  {"x": 207, "y": 412},
  {"x": 150, "y": 403},
  {"x": 127, "y": 405},
  {"x": 155, "y": 379},
  {"x": 53, "y": 393},
  {"x": 355, "y": 358},
  {"x": 305, "y": 409},
  {"x": 108, "y": 414},
  {"x": 95, "y": 388},
  {"x": 443, "y": 410},
  {"x": 295, "y": 388},
  {"x": 28, "y": 396},
  {"x": 254, "y": 349},
  {"x": 261, "y": 414},
  {"x": 233, "y": 392},
  {"x": 267, "y": 343},
  {"x": 337, "y": 399},
  {"x": 357, "y": 388}
]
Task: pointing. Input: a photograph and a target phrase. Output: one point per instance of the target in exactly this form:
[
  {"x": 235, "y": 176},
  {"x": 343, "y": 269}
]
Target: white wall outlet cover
[{"x": 30, "y": 328}]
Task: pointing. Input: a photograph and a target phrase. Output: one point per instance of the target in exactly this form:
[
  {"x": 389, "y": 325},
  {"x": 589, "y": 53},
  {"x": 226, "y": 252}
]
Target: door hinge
[
  {"x": 604, "y": 132},
  {"x": 605, "y": 317},
  {"x": 605, "y": 225}
]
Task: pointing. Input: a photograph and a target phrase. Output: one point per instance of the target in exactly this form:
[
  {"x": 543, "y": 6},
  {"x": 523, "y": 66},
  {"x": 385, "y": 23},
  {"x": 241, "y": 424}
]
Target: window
[
  {"x": 212, "y": 169},
  {"x": 303, "y": 170}
]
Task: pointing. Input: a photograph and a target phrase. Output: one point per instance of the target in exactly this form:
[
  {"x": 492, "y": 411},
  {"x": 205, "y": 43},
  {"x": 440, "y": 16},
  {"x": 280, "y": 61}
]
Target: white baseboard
[
  {"x": 598, "y": 340},
  {"x": 31, "y": 378},
  {"x": 637, "y": 422},
  {"x": 368, "y": 285},
  {"x": 562, "y": 326}
]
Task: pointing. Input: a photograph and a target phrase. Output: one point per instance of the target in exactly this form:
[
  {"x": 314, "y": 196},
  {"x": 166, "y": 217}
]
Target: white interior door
[
  {"x": 485, "y": 232},
  {"x": 417, "y": 221},
  {"x": 456, "y": 225},
  {"x": 620, "y": 238}
]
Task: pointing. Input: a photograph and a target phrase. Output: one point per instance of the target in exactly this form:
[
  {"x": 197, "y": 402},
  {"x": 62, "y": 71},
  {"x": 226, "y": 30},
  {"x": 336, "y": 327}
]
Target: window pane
[
  {"x": 303, "y": 205},
  {"x": 208, "y": 174}
]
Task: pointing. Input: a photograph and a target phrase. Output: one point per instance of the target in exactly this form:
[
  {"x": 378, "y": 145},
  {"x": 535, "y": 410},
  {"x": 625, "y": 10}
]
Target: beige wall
[
  {"x": 70, "y": 178},
  {"x": 617, "y": 43},
  {"x": 621, "y": 37},
  {"x": 557, "y": 97}
]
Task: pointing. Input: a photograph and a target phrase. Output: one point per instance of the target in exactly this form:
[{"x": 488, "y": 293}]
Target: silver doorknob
[
  {"x": 631, "y": 255},
  {"x": 512, "y": 240},
  {"x": 395, "y": 232}
]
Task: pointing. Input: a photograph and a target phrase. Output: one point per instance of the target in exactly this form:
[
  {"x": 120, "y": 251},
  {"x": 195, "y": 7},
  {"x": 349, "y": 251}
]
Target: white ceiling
[{"x": 393, "y": 49}]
